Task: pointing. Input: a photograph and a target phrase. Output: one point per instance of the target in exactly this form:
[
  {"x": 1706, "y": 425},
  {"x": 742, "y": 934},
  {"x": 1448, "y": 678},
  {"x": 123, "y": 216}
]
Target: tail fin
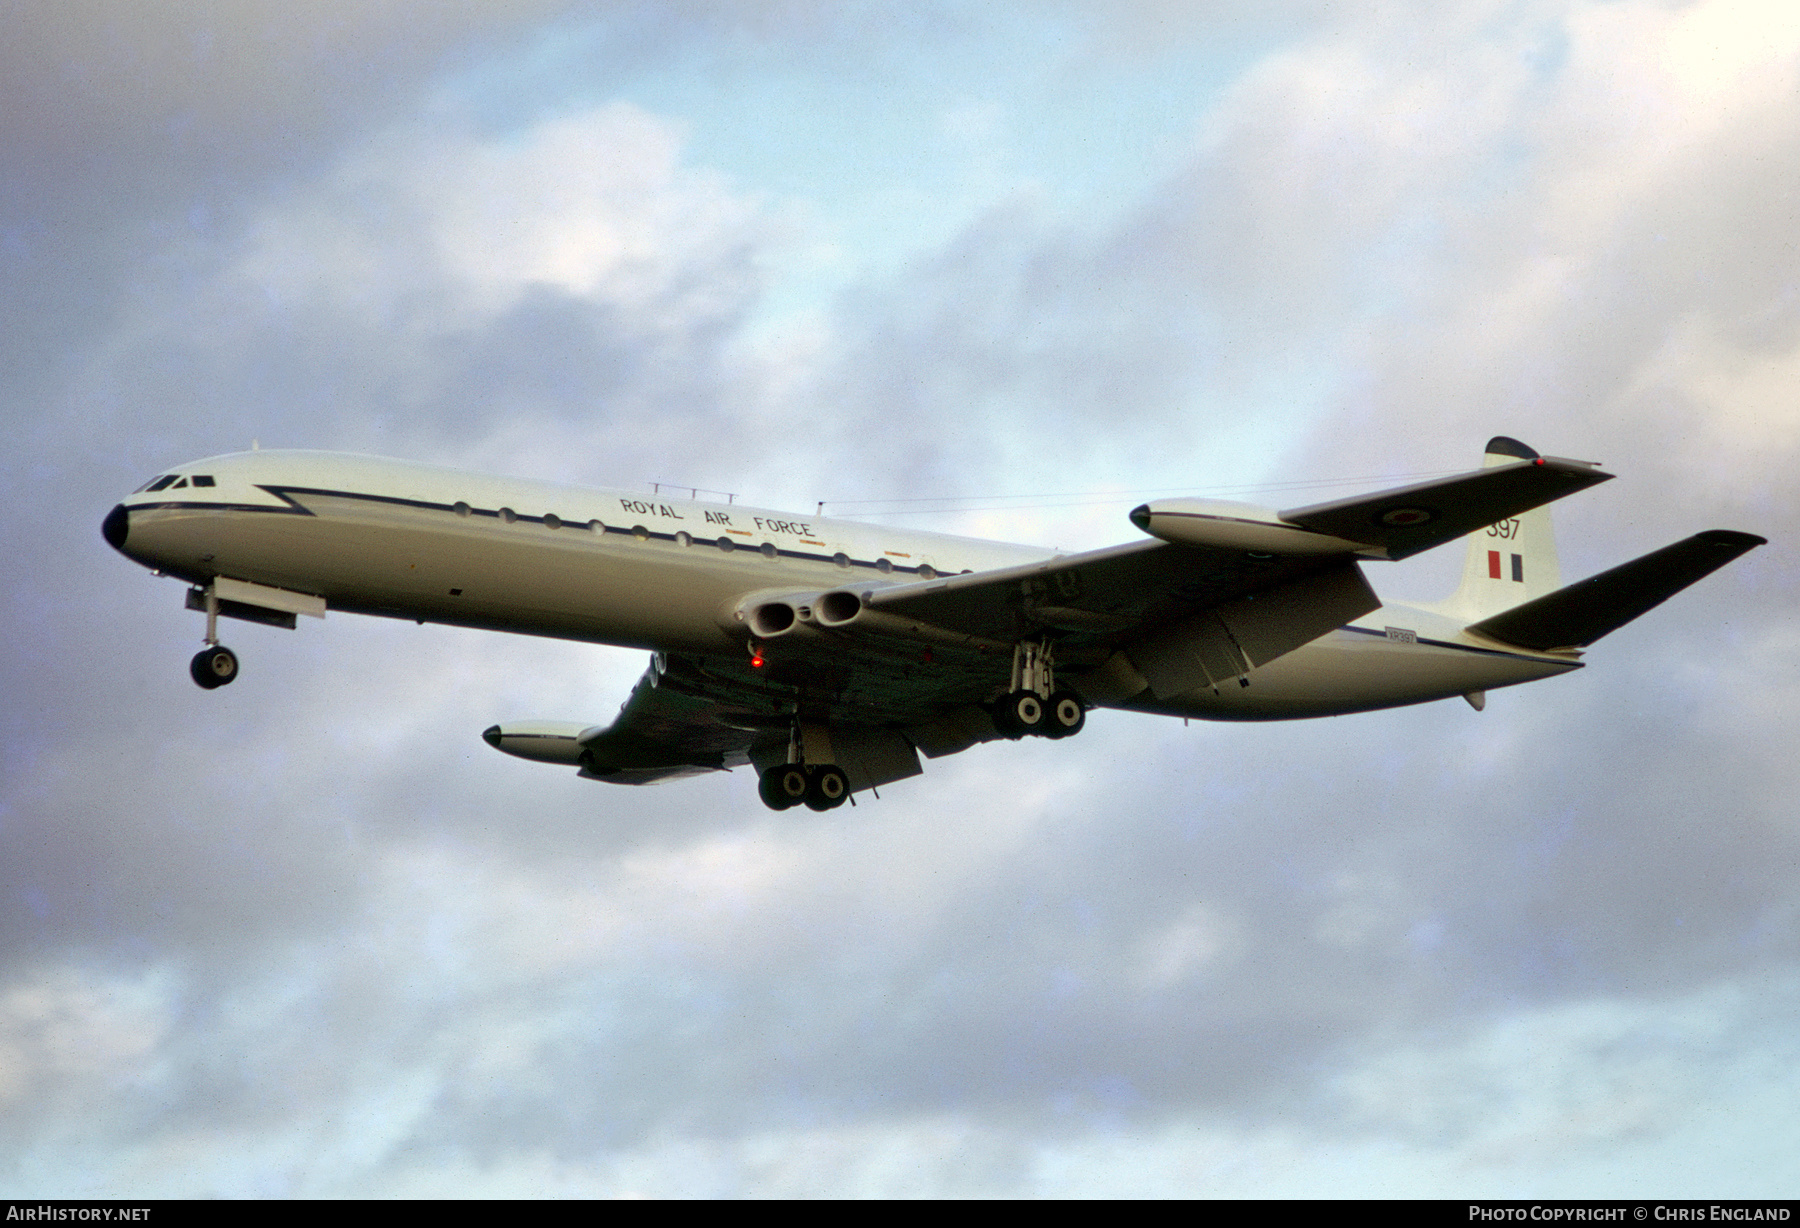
[{"x": 1510, "y": 562}]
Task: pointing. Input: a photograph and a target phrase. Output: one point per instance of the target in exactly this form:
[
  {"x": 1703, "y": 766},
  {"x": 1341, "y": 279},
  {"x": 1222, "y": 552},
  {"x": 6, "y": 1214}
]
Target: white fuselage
[{"x": 654, "y": 571}]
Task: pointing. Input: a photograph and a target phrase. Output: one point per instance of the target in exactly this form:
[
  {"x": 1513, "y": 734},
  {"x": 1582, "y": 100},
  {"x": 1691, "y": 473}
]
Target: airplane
[{"x": 828, "y": 655}]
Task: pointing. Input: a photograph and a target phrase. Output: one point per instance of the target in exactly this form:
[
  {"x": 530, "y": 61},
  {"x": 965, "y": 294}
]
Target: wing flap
[
  {"x": 1408, "y": 519},
  {"x": 1276, "y": 621},
  {"x": 1215, "y": 646},
  {"x": 1579, "y": 614},
  {"x": 1197, "y": 651}
]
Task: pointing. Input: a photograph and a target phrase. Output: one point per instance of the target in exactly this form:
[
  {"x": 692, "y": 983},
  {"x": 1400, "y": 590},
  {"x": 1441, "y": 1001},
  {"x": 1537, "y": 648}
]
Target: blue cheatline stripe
[{"x": 294, "y": 508}]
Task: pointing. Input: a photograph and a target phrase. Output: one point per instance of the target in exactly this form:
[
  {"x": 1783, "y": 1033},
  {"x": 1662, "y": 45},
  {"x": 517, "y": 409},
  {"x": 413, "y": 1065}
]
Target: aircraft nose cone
[
  {"x": 116, "y": 525},
  {"x": 491, "y": 735}
]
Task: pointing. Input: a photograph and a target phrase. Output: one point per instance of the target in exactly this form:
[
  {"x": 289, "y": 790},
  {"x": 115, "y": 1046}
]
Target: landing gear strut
[
  {"x": 1035, "y": 704},
  {"x": 215, "y": 665}
]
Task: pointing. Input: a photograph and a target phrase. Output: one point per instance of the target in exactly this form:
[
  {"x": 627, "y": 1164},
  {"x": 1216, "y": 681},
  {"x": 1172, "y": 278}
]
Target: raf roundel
[{"x": 1406, "y": 517}]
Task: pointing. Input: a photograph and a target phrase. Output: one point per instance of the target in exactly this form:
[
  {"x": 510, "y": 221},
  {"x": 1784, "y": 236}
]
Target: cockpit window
[{"x": 175, "y": 480}]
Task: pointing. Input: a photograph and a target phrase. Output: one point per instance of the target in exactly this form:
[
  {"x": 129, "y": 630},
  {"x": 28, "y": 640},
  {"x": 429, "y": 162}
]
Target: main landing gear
[
  {"x": 817, "y": 785},
  {"x": 1035, "y": 705},
  {"x": 215, "y": 665}
]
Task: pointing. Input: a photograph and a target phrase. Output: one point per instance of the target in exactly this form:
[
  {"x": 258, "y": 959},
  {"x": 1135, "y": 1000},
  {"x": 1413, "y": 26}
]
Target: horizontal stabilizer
[
  {"x": 1408, "y": 519},
  {"x": 1578, "y": 615}
]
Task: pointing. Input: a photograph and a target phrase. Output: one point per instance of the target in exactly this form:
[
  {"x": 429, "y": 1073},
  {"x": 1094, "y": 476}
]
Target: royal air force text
[{"x": 638, "y": 507}]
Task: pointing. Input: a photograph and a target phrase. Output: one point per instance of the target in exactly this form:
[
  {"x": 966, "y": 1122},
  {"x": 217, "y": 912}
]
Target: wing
[
  {"x": 1181, "y": 616},
  {"x": 663, "y": 731},
  {"x": 1187, "y": 611},
  {"x": 889, "y": 669},
  {"x": 1402, "y": 522},
  {"x": 687, "y": 716}
]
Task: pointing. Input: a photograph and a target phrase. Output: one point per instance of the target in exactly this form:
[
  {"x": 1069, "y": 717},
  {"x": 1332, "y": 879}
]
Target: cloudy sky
[{"x": 308, "y": 935}]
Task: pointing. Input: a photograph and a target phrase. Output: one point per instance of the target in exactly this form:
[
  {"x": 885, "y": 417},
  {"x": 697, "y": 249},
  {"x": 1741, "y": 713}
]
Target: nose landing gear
[{"x": 215, "y": 665}]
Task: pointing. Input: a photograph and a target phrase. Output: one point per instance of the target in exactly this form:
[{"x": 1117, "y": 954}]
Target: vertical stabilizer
[{"x": 1508, "y": 563}]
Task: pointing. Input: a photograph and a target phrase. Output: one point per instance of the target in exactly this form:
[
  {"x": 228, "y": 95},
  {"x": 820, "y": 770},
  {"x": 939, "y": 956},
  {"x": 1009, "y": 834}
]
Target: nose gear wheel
[{"x": 214, "y": 667}]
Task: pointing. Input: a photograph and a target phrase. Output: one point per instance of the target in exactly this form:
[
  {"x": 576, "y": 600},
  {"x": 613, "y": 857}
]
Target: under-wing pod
[
  {"x": 1227, "y": 525},
  {"x": 1389, "y": 524},
  {"x": 541, "y": 741}
]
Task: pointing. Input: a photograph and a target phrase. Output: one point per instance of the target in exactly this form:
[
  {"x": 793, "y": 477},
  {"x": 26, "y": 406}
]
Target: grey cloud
[{"x": 1016, "y": 995}]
